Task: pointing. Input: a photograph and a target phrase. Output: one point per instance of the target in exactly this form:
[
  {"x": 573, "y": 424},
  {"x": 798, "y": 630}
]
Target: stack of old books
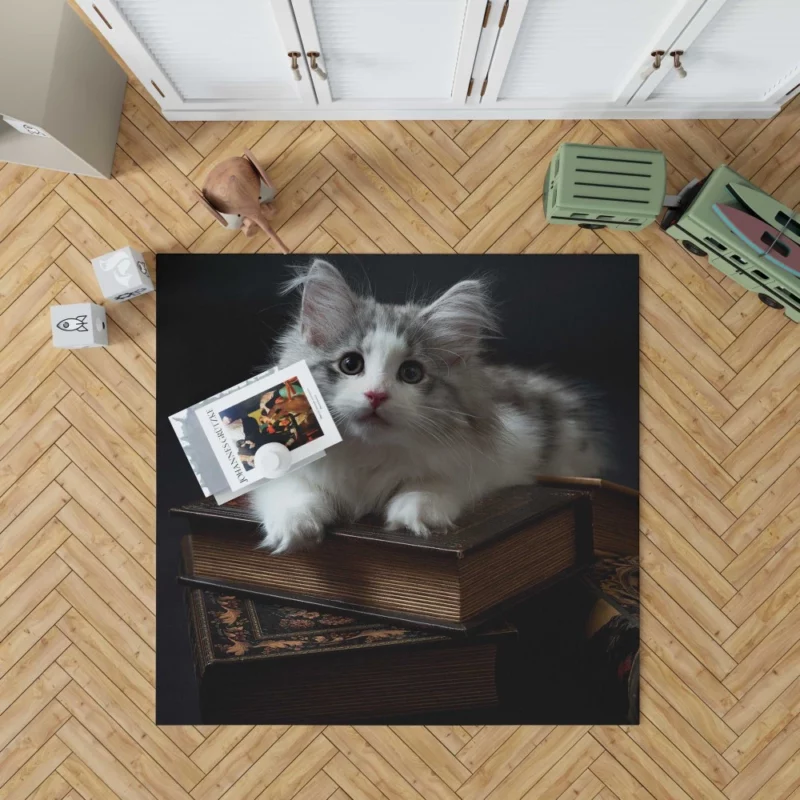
[{"x": 376, "y": 624}]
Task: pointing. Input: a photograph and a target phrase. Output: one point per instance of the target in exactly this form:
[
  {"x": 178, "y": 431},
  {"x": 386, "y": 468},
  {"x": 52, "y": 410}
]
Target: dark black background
[{"x": 217, "y": 318}]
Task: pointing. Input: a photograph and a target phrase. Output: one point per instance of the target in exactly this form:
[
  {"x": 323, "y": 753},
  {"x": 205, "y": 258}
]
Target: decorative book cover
[
  {"x": 613, "y": 630},
  {"x": 513, "y": 543},
  {"x": 261, "y": 661},
  {"x": 495, "y": 517}
]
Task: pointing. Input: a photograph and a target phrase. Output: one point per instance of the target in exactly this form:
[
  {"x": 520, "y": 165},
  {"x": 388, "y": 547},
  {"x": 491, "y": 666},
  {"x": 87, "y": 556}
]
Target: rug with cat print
[{"x": 450, "y": 378}]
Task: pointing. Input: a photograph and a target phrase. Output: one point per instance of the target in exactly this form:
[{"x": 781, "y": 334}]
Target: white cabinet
[
  {"x": 569, "y": 53},
  {"x": 404, "y": 53},
  {"x": 739, "y": 51},
  {"x": 208, "y": 54},
  {"x": 429, "y": 59}
]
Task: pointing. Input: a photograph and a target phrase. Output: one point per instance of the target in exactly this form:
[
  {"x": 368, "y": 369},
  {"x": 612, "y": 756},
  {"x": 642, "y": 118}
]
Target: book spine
[{"x": 201, "y": 650}]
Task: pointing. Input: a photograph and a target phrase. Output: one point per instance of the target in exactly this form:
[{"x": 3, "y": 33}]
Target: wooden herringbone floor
[{"x": 720, "y": 470}]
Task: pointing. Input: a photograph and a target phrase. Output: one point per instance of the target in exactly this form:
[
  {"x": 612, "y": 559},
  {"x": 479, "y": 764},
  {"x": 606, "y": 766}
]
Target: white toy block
[
  {"x": 122, "y": 274},
  {"x": 78, "y": 325}
]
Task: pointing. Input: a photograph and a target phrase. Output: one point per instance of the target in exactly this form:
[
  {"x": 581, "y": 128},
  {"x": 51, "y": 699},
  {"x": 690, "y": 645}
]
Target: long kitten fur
[{"x": 429, "y": 426}]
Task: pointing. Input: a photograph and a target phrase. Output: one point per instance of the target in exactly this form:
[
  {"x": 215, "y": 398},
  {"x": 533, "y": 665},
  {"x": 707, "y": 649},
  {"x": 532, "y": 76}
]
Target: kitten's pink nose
[{"x": 376, "y": 398}]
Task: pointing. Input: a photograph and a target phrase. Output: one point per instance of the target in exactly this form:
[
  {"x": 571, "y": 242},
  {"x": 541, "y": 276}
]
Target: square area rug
[{"x": 567, "y": 655}]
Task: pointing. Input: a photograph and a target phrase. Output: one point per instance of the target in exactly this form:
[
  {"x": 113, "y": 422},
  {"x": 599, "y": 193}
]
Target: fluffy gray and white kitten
[{"x": 429, "y": 425}]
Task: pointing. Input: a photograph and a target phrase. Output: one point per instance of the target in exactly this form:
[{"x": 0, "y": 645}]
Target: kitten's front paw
[
  {"x": 302, "y": 532},
  {"x": 294, "y": 519},
  {"x": 421, "y": 512}
]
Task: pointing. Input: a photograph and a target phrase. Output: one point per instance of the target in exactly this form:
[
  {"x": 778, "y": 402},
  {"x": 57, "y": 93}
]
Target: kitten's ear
[
  {"x": 459, "y": 321},
  {"x": 328, "y": 304}
]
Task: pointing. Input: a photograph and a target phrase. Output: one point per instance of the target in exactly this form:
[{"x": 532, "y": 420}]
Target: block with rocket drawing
[{"x": 79, "y": 325}]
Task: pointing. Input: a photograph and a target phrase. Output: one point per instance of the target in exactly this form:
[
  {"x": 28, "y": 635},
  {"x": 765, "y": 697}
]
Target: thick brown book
[
  {"x": 512, "y": 544},
  {"x": 264, "y": 663},
  {"x": 614, "y": 513}
]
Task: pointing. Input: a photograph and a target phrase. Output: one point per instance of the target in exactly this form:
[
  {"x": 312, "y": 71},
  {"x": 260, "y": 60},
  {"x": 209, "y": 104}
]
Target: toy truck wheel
[
  {"x": 769, "y": 301},
  {"x": 693, "y": 248},
  {"x": 592, "y": 226}
]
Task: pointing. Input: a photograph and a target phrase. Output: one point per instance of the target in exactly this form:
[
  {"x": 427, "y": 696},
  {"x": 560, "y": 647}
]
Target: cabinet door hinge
[
  {"x": 483, "y": 88},
  {"x": 487, "y": 12},
  {"x": 469, "y": 88},
  {"x": 503, "y": 15}
]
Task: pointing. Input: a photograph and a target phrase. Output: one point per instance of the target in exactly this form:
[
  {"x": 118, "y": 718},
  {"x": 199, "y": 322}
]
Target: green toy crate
[
  {"x": 598, "y": 187},
  {"x": 698, "y": 228}
]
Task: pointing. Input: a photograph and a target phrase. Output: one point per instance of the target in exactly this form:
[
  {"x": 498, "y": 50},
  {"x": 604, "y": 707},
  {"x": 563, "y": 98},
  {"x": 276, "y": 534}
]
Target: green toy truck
[
  {"x": 701, "y": 231},
  {"x": 614, "y": 187},
  {"x": 605, "y": 187}
]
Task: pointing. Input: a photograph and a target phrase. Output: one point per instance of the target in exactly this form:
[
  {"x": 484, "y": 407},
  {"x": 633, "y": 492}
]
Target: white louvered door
[
  {"x": 573, "y": 53},
  {"x": 741, "y": 50},
  {"x": 390, "y": 53},
  {"x": 208, "y": 54},
  {"x": 433, "y": 59}
]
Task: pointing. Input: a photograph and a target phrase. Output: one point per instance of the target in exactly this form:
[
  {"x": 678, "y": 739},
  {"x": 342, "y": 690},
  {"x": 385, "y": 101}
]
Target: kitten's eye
[
  {"x": 352, "y": 363},
  {"x": 411, "y": 372}
]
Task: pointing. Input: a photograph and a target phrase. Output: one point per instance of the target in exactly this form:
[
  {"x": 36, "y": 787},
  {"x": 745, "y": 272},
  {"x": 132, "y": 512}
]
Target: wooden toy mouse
[{"x": 237, "y": 193}]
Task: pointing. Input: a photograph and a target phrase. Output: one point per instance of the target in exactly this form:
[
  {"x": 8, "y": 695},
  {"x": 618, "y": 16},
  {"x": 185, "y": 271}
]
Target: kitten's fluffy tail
[
  {"x": 563, "y": 420},
  {"x": 579, "y": 446}
]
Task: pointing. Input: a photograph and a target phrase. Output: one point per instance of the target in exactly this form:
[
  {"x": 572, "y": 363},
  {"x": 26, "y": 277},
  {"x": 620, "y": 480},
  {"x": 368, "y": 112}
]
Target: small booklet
[{"x": 222, "y": 434}]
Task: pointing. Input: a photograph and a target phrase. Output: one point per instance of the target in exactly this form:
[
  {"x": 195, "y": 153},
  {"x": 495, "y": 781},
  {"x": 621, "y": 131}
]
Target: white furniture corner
[
  {"x": 467, "y": 59},
  {"x": 56, "y": 76}
]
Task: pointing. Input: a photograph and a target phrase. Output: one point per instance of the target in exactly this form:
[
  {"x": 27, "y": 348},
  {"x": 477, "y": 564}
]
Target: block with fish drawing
[
  {"x": 78, "y": 325},
  {"x": 122, "y": 274}
]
